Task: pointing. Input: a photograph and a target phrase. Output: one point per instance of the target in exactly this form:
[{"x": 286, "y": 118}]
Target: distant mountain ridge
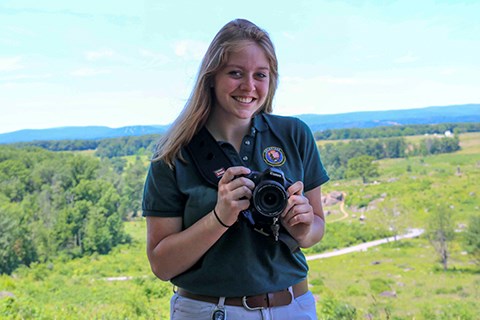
[
  {"x": 79, "y": 133},
  {"x": 317, "y": 122},
  {"x": 369, "y": 119}
]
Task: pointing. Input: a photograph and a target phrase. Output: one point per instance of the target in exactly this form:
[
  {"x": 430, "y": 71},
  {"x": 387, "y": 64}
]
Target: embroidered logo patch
[
  {"x": 274, "y": 156},
  {"x": 219, "y": 172}
]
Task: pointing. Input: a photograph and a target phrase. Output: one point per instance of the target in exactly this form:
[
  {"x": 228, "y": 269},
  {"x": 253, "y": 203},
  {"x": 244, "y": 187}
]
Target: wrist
[{"x": 220, "y": 220}]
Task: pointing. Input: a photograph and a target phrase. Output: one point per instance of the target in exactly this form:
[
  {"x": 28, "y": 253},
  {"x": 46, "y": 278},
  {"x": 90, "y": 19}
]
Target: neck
[{"x": 228, "y": 130}]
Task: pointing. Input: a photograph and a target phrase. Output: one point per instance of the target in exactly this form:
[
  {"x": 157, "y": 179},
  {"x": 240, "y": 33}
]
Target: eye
[
  {"x": 261, "y": 75},
  {"x": 235, "y": 73}
]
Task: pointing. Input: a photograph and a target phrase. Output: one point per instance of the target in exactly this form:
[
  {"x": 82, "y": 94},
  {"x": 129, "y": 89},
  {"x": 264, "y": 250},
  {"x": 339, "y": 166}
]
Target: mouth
[{"x": 244, "y": 99}]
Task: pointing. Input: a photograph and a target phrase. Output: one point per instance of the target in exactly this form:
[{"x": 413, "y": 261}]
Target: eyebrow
[{"x": 240, "y": 67}]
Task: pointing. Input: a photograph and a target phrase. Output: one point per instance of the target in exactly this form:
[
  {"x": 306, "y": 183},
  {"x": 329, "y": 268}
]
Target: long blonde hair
[{"x": 198, "y": 107}]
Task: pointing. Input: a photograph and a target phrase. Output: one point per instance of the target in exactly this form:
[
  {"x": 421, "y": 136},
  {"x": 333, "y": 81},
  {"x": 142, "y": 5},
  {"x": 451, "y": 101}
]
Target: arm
[
  {"x": 303, "y": 218},
  {"x": 172, "y": 250}
]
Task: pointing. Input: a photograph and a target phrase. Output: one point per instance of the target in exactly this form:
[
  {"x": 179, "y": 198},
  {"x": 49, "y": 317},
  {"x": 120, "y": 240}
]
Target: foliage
[
  {"x": 37, "y": 185},
  {"x": 332, "y": 309},
  {"x": 396, "y": 131},
  {"x": 62, "y": 203},
  {"x": 441, "y": 232},
  {"x": 472, "y": 238},
  {"x": 124, "y": 146},
  {"x": 362, "y": 166},
  {"x": 114, "y": 286},
  {"x": 111, "y": 147},
  {"x": 341, "y": 235},
  {"x": 336, "y": 156}
]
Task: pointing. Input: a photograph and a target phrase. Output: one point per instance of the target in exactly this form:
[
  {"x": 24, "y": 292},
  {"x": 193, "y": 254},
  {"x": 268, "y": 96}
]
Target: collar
[{"x": 259, "y": 123}]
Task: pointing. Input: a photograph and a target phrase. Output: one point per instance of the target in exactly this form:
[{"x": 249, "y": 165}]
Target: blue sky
[{"x": 117, "y": 63}]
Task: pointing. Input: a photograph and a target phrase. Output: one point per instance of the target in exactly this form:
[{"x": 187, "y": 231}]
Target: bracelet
[{"x": 220, "y": 221}]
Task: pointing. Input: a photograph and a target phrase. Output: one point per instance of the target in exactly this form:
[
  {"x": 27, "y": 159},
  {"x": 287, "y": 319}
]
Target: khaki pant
[{"x": 302, "y": 308}]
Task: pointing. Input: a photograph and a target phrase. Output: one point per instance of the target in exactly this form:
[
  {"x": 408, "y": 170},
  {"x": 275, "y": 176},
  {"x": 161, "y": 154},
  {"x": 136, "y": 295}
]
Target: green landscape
[{"x": 73, "y": 239}]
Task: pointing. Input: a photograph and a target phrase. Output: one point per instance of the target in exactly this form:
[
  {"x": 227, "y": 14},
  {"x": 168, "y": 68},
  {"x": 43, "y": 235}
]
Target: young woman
[{"x": 225, "y": 255}]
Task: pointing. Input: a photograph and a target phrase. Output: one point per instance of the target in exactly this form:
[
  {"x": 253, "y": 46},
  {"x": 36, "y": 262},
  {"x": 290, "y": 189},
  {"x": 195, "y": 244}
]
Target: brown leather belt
[{"x": 266, "y": 300}]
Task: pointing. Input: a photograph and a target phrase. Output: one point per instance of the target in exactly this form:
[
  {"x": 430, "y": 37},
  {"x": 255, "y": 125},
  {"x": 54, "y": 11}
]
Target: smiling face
[{"x": 241, "y": 85}]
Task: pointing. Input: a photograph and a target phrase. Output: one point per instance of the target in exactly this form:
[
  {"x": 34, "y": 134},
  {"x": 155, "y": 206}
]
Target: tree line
[
  {"x": 63, "y": 204},
  {"x": 144, "y": 145},
  {"x": 396, "y": 131},
  {"x": 355, "y": 158},
  {"x": 109, "y": 148}
]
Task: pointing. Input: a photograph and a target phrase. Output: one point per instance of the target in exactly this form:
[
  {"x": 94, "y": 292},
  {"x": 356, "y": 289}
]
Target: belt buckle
[{"x": 246, "y": 306}]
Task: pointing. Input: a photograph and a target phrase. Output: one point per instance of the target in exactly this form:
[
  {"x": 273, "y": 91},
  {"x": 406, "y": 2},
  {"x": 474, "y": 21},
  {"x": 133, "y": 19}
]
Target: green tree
[
  {"x": 15, "y": 245},
  {"x": 441, "y": 232},
  {"x": 393, "y": 216},
  {"x": 362, "y": 166},
  {"x": 472, "y": 238},
  {"x": 132, "y": 187}
]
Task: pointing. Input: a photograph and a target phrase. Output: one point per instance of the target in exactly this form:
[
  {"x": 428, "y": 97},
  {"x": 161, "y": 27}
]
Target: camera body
[{"x": 270, "y": 194}]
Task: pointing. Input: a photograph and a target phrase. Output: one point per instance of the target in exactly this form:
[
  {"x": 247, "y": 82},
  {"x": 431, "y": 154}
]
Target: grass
[
  {"x": 121, "y": 286},
  {"x": 407, "y": 270}
]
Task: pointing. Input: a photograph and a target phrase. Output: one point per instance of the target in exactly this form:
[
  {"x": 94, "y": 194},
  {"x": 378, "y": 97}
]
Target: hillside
[
  {"x": 369, "y": 119},
  {"x": 317, "y": 122},
  {"x": 81, "y": 133},
  {"x": 399, "y": 280}
]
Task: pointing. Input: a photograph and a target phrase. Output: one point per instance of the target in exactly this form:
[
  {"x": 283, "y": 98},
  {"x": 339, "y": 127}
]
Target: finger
[
  {"x": 233, "y": 172},
  {"x": 293, "y": 201},
  {"x": 299, "y": 218},
  {"x": 240, "y": 182},
  {"x": 296, "y": 188},
  {"x": 241, "y": 192},
  {"x": 298, "y": 208}
]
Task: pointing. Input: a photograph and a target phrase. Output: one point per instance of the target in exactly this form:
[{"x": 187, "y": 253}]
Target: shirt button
[
  {"x": 245, "y": 158},
  {"x": 247, "y": 142}
]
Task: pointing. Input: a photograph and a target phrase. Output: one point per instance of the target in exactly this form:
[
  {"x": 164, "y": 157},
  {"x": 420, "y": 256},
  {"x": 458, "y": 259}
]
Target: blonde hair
[{"x": 198, "y": 107}]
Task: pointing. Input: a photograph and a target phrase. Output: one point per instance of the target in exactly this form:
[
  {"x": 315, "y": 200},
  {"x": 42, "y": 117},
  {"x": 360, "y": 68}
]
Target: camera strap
[
  {"x": 211, "y": 161},
  {"x": 209, "y": 158}
]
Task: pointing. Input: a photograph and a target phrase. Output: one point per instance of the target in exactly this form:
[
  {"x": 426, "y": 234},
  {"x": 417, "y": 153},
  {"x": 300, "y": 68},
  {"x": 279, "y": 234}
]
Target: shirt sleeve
[
  {"x": 314, "y": 171},
  {"x": 161, "y": 195}
]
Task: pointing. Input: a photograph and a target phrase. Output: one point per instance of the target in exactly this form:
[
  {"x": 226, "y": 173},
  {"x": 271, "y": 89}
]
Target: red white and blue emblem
[
  {"x": 219, "y": 172},
  {"x": 274, "y": 156}
]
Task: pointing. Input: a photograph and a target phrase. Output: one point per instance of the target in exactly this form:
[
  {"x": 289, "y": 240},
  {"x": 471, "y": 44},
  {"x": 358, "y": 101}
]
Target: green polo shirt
[{"x": 243, "y": 261}]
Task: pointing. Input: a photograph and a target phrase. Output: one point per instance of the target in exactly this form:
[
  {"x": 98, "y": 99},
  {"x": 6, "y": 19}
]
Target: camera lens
[{"x": 270, "y": 198}]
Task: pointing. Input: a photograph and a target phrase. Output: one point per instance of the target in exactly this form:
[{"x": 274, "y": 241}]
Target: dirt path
[
  {"x": 413, "y": 233},
  {"x": 342, "y": 209}
]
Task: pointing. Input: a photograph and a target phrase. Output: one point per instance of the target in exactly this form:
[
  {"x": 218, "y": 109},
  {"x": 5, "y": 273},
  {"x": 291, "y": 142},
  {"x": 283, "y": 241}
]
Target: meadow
[{"x": 399, "y": 280}]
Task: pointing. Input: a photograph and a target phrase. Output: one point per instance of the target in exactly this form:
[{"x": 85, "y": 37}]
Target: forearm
[
  {"x": 315, "y": 233},
  {"x": 179, "y": 251}
]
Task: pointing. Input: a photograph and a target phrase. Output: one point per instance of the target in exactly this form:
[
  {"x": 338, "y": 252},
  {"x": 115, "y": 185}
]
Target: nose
[{"x": 248, "y": 84}]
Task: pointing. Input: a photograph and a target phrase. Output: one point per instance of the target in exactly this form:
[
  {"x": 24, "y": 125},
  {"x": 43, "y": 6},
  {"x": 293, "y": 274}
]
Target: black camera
[{"x": 270, "y": 194}]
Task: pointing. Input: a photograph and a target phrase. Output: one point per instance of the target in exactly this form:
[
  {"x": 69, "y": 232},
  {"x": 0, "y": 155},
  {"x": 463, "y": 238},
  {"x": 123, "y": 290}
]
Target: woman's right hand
[
  {"x": 172, "y": 250},
  {"x": 234, "y": 194}
]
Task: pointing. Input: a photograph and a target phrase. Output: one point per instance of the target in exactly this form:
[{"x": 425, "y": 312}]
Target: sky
[{"x": 119, "y": 62}]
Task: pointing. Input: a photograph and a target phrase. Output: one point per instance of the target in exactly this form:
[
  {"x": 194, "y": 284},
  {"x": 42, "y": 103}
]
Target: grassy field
[{"x": 401, "y": 280}]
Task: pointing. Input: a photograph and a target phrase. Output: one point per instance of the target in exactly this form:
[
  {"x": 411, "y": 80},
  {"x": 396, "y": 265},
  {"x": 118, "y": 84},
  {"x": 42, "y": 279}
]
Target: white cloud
[
  {"x": 448, "y": 71},
  {"x": 190, "y": 49},
  {"x": 407, "y": 58},
  {"x": 289, "y": 35},
  {"x": 154, "y": 59},
  {"x": 99, "y": 54},
  {"x": 10, "y": 63},
  {"x": 26, "y": 77},
  {"x": 88, "y": 72}
]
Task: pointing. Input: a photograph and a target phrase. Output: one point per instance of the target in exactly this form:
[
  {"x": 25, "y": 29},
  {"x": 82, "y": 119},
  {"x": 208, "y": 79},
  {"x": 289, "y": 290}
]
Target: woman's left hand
[{"x": 299, "y": 217}]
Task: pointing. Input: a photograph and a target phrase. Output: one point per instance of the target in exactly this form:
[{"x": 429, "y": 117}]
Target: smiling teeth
[{"x": 244, "y": 99}]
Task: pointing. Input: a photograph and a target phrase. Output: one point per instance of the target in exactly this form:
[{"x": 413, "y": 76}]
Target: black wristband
[{"x": 220, "y": 221}]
